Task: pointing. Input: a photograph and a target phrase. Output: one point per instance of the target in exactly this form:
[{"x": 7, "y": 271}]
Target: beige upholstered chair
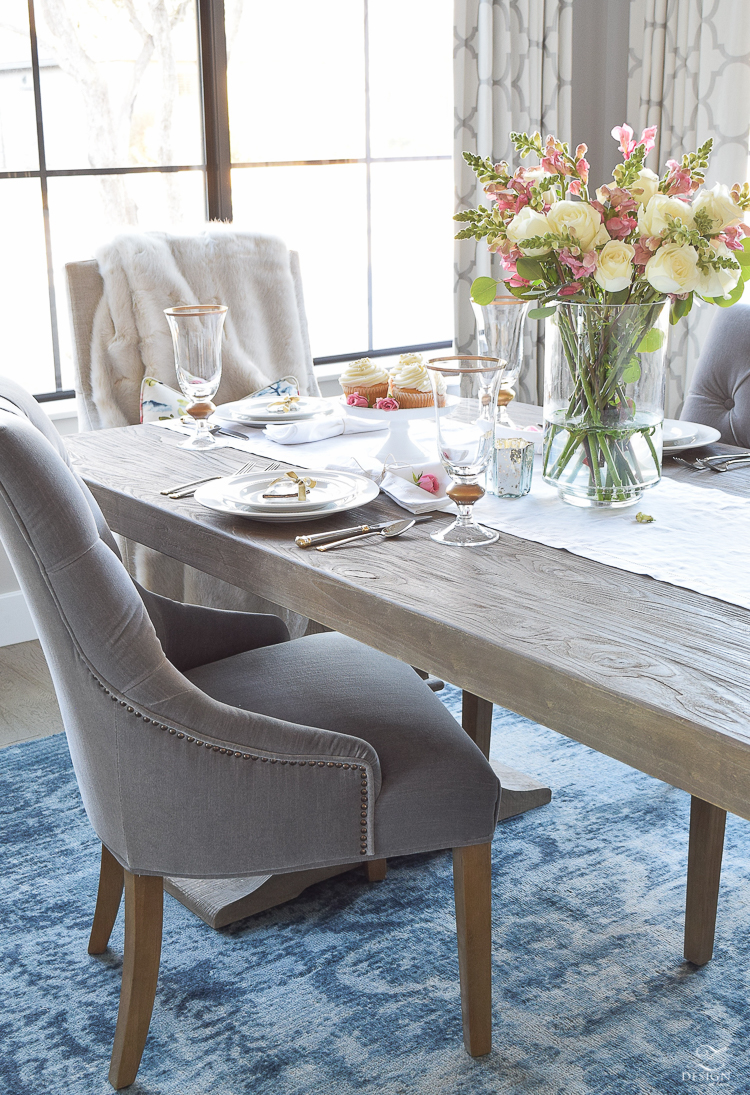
[{"x": 176, "y": 714}]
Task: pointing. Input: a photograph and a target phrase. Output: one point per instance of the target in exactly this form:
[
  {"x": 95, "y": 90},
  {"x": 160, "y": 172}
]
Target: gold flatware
[
  {"x": 395, "y": 528},
  {"x": 321, "y": 537}
]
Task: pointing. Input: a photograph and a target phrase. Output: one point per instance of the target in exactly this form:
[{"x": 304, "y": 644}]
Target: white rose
[
  {"x": 614, "y": 270},
  {"x": 582, "y": 220},
  {"x": 654, "y": 218},
  {"x": 718, "y": 203},
  {"x": 718, "y": 283},
  {"x": 673, "y": 269},
  {"x": 645, "y": 186},
  {"x": 524, "y": 226}
]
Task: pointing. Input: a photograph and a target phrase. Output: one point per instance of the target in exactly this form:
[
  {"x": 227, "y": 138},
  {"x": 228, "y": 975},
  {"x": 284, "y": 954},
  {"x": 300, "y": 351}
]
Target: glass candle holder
[{"x": 511, "y": 467}]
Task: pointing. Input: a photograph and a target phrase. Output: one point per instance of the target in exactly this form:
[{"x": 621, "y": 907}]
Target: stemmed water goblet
[
  {"x": 465, "y": 438},
  {"x": 196, "y": 335}
]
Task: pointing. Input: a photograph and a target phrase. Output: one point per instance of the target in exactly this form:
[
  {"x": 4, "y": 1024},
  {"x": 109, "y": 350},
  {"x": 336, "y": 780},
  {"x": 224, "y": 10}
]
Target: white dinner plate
[
  {"x": 249, "y": 490},
  {"x": 214, "y": 497},
  {"x": 679, "y": 436},
  {"x": 257, "y": 412}
]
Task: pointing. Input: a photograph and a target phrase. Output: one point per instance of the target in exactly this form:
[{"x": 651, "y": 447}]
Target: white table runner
[{"x": 699, "y": 538}]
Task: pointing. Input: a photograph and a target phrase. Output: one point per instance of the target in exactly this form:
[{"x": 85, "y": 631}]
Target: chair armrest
[
  {"x": 193, "y": 635},
  {"x": 208, "y": 790}
]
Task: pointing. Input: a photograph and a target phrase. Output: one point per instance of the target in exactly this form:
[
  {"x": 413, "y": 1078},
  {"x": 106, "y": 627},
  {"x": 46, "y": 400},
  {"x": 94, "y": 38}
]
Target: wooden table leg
[
  {"x": 472, "y": 884},
  {"x": 520, "y": 792},
  {"x": 704, "y": 872}
]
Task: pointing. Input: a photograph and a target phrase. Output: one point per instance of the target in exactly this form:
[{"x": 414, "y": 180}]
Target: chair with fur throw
[{"x": 120, "y": 335}]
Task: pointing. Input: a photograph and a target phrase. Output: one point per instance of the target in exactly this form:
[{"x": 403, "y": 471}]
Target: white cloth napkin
[
  {"x": 319, "y": 429},
  {"x": 397, "y": 481}
]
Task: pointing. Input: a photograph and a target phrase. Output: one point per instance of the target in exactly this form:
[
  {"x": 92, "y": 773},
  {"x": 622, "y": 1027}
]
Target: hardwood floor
[{"x": 28, "y": 707}]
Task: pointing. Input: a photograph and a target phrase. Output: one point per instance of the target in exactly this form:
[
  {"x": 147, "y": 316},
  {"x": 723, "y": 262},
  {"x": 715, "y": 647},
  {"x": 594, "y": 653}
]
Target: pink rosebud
[
  {"x": 570, "y": 289},
  {"x": 428, "y": 483},
  {"x": 385, "y": 403},
  {"x": 356, "y": 400}
]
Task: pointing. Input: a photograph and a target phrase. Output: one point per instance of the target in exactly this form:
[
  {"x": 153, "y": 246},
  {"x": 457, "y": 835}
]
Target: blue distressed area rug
[{"x": 354, "y": 986}]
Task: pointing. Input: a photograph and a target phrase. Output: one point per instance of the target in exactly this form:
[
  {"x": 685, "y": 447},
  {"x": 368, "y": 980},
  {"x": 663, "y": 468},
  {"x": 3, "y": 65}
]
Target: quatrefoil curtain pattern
[
  {"x": 512, "y": 71},
  {"x": 689, "y": 73}
]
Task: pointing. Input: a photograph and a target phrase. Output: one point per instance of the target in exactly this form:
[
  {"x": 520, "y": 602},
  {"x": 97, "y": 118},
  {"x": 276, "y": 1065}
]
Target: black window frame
[{"x": 217, "y": 168}]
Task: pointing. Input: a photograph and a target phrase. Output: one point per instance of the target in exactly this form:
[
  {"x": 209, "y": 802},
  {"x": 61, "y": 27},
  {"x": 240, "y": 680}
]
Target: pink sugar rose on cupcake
[
  {"x": 356, "y": 400},
  {"x": 386, "y": 404}
]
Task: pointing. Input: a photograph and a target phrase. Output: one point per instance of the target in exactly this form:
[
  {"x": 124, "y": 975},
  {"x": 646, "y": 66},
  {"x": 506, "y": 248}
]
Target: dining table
[{"x": 644, "y": 671}]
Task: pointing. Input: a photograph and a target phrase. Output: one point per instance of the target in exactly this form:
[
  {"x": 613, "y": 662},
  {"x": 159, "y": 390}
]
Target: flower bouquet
[{"x": 601, "y": 271}]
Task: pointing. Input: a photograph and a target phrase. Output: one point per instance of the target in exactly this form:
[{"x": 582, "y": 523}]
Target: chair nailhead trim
[{"x": 178, "y": 735}]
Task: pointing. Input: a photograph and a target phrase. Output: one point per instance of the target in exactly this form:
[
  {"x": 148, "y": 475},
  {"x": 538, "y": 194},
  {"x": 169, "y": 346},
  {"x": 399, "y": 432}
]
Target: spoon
[{"x": 394, "y": 529}]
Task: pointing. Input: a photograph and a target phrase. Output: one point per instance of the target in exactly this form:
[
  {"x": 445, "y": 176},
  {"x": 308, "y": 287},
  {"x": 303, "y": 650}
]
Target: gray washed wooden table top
[{"x": 649, "y": 673}]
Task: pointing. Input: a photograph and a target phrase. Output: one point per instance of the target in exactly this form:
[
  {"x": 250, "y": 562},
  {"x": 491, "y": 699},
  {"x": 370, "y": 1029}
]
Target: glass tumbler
[
  {"x": 196, "y": 335},
  {"x": 465, "y": 438}
]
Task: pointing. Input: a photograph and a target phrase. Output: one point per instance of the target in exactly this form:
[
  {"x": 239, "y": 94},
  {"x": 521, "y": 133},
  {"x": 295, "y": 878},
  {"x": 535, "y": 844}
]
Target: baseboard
[{"x": 16, "y": 625}]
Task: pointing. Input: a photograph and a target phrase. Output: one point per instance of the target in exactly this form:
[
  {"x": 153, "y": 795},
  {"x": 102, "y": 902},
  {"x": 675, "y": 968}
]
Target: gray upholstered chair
[
  {"x": 207, "y": 744},
  {"x": 719, "y": 393}
]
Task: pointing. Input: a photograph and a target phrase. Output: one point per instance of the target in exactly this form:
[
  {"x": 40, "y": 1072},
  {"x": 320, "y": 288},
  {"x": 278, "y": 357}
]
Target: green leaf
[
  {"x": 632, "y": 370},
  {"x": 743, "y": 257},
  {"x": 734, "y": 296},
  {"x": 745, "y": 273},
  {"x": 651, "y": 341},
  {"x": 483, "y": 290},
  {"x": 520, "y": 291},
  {"x": 531, "y": 269},
  {"x": 618, "y": 298},
  {"x": 541, "y": 313}
]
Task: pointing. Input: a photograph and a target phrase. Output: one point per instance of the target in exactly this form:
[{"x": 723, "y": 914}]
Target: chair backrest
[
  {"x": 719, "y": 393},
  {"x": 87, "y": 291}
]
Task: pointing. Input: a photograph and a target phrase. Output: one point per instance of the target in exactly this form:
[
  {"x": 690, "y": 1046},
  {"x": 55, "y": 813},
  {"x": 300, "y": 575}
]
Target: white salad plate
[
  {"x": 677, "y": 436},
  {"x": 256, "y": 412},
  {"x": 238, "y": 496}
]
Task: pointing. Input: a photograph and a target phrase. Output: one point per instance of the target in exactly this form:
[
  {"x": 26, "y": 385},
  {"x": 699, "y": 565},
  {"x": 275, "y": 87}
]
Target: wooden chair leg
[
  {"x": 376, "y": 869},
  {"x": 704, "y": 872},
  {"x": 111, "y": 882},
  {"x": 144, "y": 906},
  {"x": 472, "y": 878}
]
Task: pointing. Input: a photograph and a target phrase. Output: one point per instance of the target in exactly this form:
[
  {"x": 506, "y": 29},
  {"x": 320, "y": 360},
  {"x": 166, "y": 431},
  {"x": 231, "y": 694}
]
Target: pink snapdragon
[
  {"x": 386, "y": 403},
  {"x": 552, "y": 161},
  {"x": 356, "y": 400},
  {"x": 582, "y": 164},
  {"x": 679, "y": 180},
  {"x": 624, "y": 134},
  {"x": 732, "y": 236},
  {"x": 620, "y": 227},
  {"x": 581, "y": 267},
  {"x": 642, "y": 252}
]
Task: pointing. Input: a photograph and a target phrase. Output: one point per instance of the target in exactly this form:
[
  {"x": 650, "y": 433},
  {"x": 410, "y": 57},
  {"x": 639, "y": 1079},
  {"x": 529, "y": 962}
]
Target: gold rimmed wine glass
[
  {"x": 465, "y": 438},
  {"x": 196, "y": 335}
]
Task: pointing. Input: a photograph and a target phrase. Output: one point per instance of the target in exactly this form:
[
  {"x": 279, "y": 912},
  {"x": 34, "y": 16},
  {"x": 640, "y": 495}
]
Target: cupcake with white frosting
[
  {"x": 410, "y": 384},
  {"x": 365, "y": 378}
]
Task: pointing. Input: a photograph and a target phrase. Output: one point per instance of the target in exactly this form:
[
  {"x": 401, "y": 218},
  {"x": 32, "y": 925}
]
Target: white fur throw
[{"x": 265, "y": 333}]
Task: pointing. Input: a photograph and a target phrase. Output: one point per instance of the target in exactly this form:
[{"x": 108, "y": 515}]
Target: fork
[
  {"x": 189, "y": 489},
  {"x": 715, "y": 463}
]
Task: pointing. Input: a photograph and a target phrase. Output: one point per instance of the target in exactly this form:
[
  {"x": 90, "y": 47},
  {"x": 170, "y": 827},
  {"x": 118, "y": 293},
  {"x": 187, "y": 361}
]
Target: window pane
[
  {"x": 120, "y": 83},
  {"x": 412, "y": 271},
  {"x": 411, "y": 77},
  {"x": 86, "y": 212},
  {"x": 24, "y": 297},
  {"x": 18, "y": 147},
  {"x": 321, "y": 212},
  {"x": 296, "y": 80}
]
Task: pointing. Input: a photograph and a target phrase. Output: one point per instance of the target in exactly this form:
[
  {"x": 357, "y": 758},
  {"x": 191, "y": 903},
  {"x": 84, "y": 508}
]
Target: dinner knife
[{"x": 321, "y": 537}]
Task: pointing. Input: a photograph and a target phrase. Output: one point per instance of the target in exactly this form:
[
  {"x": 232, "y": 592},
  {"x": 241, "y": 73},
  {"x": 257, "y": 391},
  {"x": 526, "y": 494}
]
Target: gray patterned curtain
[
  {"x": 689, "y": 73},
  {"x": 512, "y": 71}
]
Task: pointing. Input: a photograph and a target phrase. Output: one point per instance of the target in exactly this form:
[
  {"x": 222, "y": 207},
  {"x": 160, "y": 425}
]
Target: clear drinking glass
[
  {"x": 500, "y": 334},
  {"x": 196, "y": 334},
  {"x": 465, "y": 438}
]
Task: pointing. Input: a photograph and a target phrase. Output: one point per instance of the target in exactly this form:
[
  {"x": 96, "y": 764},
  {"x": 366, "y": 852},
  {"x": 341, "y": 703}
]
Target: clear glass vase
[
  {"x": 500, "y": 334},
  {"x": 604, "y": 401}
]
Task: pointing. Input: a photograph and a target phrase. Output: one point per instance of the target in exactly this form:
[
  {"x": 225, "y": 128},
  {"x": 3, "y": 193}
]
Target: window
[{"x": 336, "y": 136}]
